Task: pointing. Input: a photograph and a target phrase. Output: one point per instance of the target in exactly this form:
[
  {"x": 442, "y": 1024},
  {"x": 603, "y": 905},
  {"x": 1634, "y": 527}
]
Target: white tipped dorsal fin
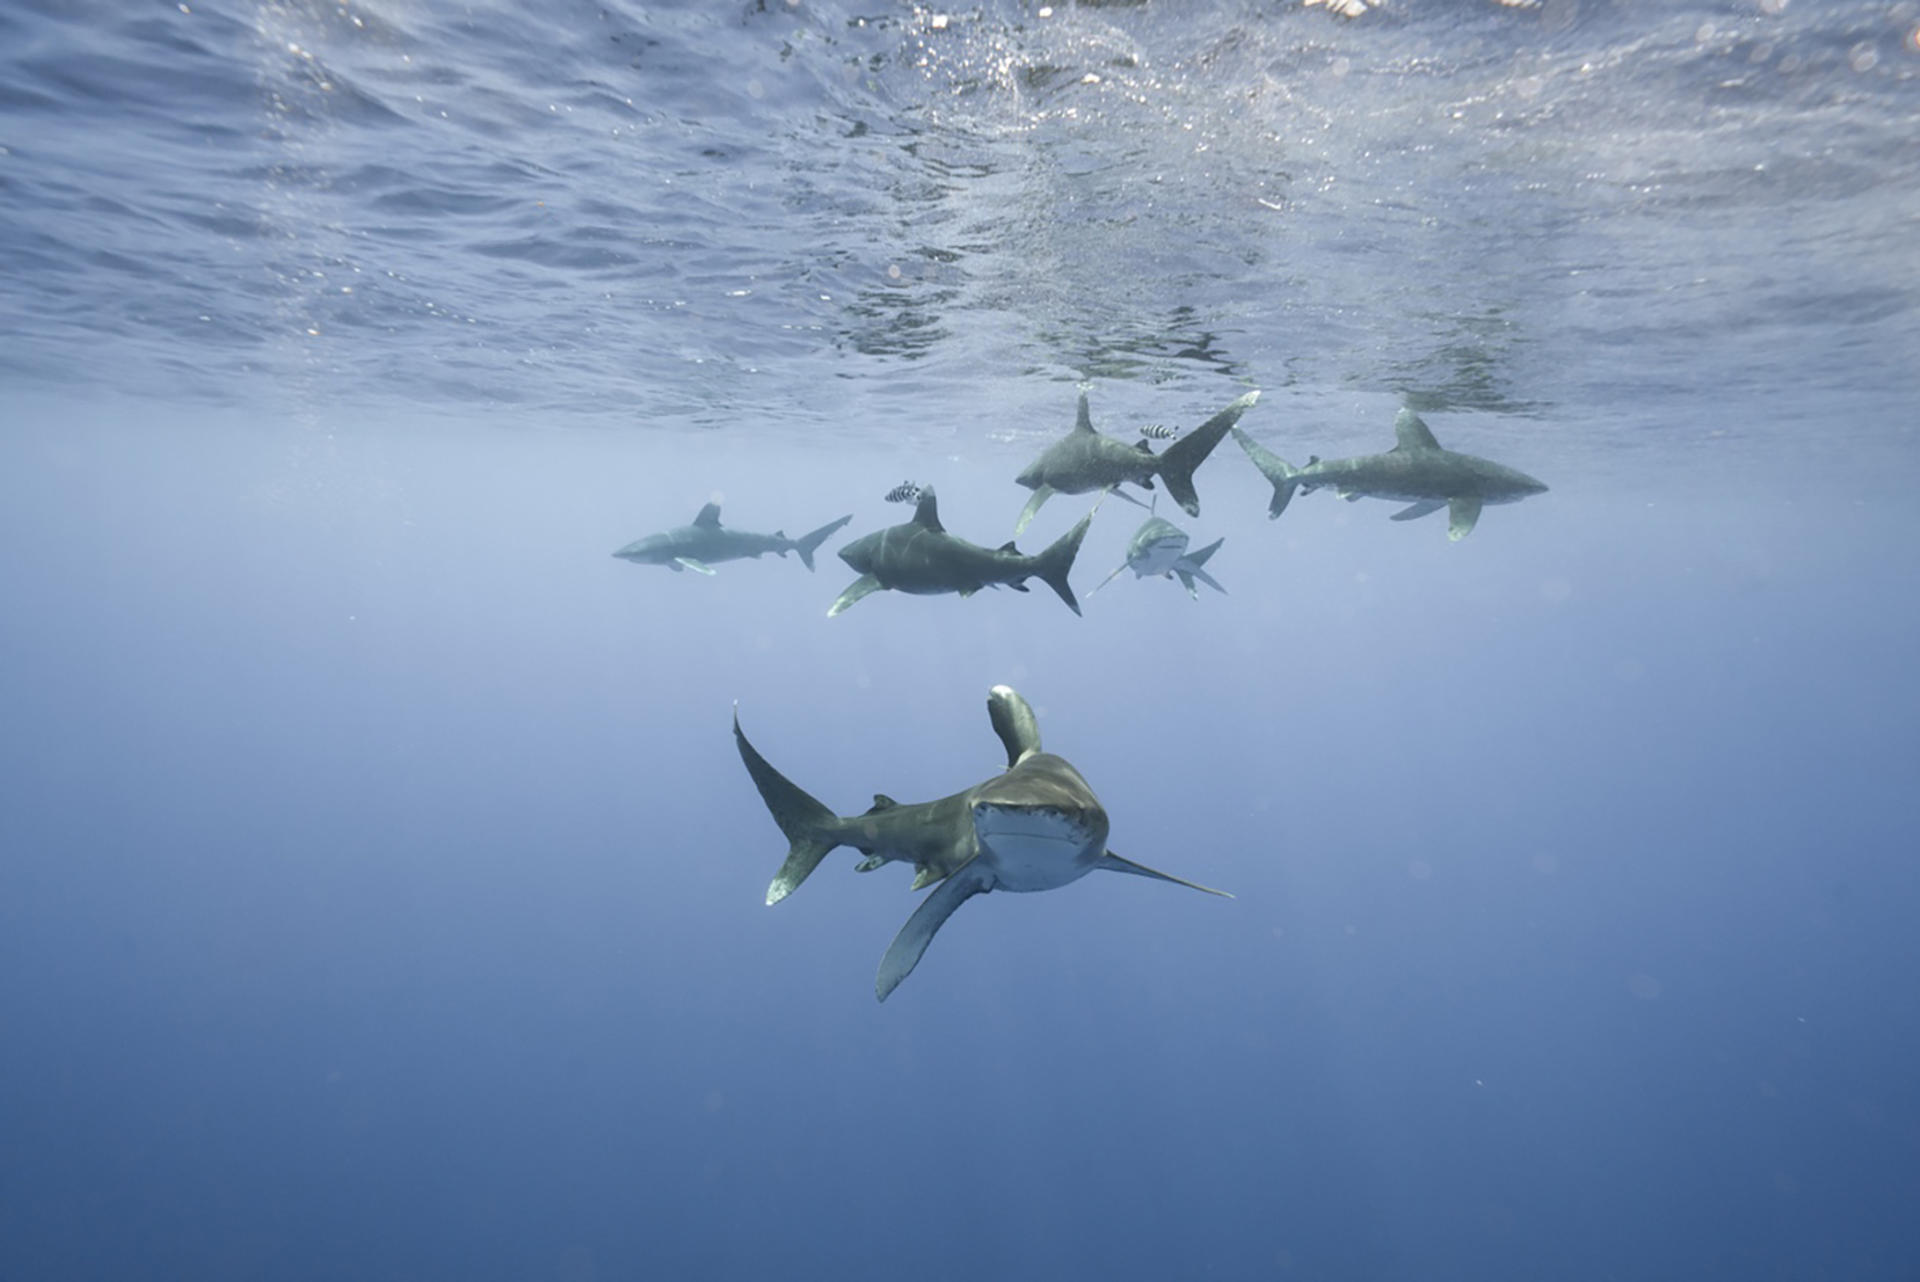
[
  {"x": 1412, "y": 434},
  {"x": 926, "y": 512},
  {"x": 708, "y": 515},
  {"x": 1014, "y": 722},
  {"x": 1083, "y": 420}
]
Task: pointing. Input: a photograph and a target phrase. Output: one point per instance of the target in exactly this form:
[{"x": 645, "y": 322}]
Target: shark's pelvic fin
[
  {"x": 807, "y": 544},
  {"x": 1282, "y": 475},
  {"x": 1041, "y": 493},
  {"x": 1424, "y": 507},
  {"x": 1462, "y": 512},
  {"x": 708, "y": 516},
  {"x": 1013, "y": 720},
  {"x": 1411, "y": 433},
  {"x": 909, "y": 945},
  {"x": 1114, "y": 863},
  {"x": 864, "y": 586},
  {"x": 1190, "y": 451},
  {"x": 810, "y": 828},
  {"x": 696, "y": 566}
]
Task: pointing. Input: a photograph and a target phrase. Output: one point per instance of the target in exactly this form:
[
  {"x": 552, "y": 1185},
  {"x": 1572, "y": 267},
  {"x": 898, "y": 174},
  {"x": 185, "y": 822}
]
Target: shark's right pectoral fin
[
  {"x": 1114, "y": 863},
  {"x": 905, "y": 951},
  {"x": 864, "y": 586},
  {"x": 697, "y": 567},
  {"x": 1041, "y": 493},
  {"x": 1425, "y": 507},
  {"x": 1462, "y": 513}
]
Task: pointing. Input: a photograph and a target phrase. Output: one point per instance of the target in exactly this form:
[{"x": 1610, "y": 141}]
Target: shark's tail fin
[
  {"x": 1052, "y": 565},
  {"x": 807, "y": 544},
  {"x": 1188, "y": 568},
  {"x": 810, "y": 828},
  {"x": 1284, "y": 476},
  {"x": 1190, "y": 451}
]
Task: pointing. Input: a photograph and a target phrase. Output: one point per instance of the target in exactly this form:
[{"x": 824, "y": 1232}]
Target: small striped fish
[
  {"x": 905, "y": 492},
  {"x": 1159, "y": 432}
]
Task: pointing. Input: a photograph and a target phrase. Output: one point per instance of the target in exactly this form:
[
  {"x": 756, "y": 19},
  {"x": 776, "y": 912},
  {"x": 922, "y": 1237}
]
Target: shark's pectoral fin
[
  {"x": 905, "y": 951},
  {"x": 696, "y": 566},
  {"x": 865, "y": 585},
  {"x": 870, "y": 863},
  {"x": 1352, "y": 496},
  {"x": 1041, "y": 493},
  {"x": 1461, "y": 515},
  {"x": 1114, "y": 863},
  {"x": 1110, "y": 578},
  {"x": 1425, "y": 507},
  {"x": 1119, "y": 493}
]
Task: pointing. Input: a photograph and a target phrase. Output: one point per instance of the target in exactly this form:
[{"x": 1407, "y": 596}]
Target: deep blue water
[{"x": 380, "y": 888}]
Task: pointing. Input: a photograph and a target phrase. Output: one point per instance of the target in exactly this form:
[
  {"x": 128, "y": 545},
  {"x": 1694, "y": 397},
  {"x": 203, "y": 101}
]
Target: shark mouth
[{"x": 1034, "y": 847}]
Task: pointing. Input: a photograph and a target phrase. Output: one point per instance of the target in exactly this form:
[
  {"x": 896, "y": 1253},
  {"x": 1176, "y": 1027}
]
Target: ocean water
[{"x": 381, "y": 891}]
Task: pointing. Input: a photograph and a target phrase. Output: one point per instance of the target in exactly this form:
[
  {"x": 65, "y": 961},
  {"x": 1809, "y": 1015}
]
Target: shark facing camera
[{"x": 1036, "y": 825}]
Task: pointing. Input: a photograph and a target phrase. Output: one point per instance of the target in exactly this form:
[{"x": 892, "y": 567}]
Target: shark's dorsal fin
[
  {"x": 1144, "y": 446},
  {"x": 708, "y": 516},
  {"x": 881, "y": 801},
  {"x": 927, "y": 512},
  {"x": 1014, "y": 722},
  {"x": 1083, "y": 421},
  {"x": 1411, "y": 433}
]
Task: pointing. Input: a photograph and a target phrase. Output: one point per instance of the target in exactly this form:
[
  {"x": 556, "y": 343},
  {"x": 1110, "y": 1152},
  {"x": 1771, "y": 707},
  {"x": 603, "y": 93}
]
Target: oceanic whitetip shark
[
  {"x": 1035, "y": 826},
  {"x": 1160, "y": 547},
  {"x": 1416, "y": 470},
  {"x": 694, "y": 547},
  {"x": 921, "y": 558},
  {"x": 1085, "y": 460}
]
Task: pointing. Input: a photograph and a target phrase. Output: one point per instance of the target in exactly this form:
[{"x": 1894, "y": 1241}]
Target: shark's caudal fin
[
  {"x": 1190, "y": 451},
  {"x": 1284, "y": 476},
  {"x": 807, "y": 544},
  {"x": 1051, "y": 566},
  {"x": 1188, "y": 568},
  {"x": 810, "y": 828}
]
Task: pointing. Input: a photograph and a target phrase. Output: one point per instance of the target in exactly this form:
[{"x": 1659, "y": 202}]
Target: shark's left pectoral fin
[
  {"x": 1461, "y": 515},
  {"x": 1425, "y": 507},
  {"x": 696, "y": 566},
  {"x": 908, "y": 946},
  {"x": 864, "y": 586},
  {"x": 1041, "y": 493},
  {"x": 1114, "y": 863}
]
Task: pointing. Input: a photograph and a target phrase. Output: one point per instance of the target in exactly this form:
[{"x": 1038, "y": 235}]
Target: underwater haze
[{"x": 382, "y": 893}]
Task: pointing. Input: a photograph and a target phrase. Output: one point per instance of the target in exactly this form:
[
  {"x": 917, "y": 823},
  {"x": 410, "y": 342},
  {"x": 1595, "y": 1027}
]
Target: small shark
[
  {"x": 1036, "y": 826},
  {"x": 691, "y": 547},
  {"x": 921, "y": 558},
  {"x": 1085, "y": 460},
  {"x": 1416, "y": 470},
  {"x": 1160, "y": 547}
]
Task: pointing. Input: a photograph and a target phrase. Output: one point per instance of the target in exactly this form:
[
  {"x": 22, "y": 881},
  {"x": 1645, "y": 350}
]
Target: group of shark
[
  {"x": 921, "y": 557},
  {"x": 1037, "y": 825}
]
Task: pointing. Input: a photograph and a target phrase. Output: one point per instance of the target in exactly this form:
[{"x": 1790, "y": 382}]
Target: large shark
[
  {"x": 1036, "y": 826},
  {"x": 1416, "y": 471},
  {"x": 1085, "y": 460},
  {"x": 1160, "y": 547},
  {"x": 921, "y": 558},
  {"x": 692, "y": 547}
]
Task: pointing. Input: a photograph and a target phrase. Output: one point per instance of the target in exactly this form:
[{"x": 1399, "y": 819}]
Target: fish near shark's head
[{"x": 1039, "y": 825}]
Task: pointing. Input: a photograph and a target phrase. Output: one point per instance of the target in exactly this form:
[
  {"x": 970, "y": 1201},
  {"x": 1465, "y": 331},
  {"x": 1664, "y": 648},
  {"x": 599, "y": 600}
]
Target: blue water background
[{"x": 380, "y": 890}]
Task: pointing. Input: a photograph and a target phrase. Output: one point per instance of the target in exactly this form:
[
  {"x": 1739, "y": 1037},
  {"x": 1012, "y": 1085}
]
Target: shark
[
  {"x": 1416, "y": 470},
  {"x": 693, "y": 547},
  {"x": 1084, "y": 460},
  {"x": 1035, "y": 826},
  {"x": 921, "y": 558},
  {"x": 1160, "y": 547}
]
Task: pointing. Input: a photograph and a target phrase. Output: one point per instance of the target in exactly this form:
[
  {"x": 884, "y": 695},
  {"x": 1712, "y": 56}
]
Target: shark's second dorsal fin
[
  {"x": 927, "y": 512},
  {"x": 1083, "y": 421},
  {"x": 881, "y": 801},
  {"x": 708, "y": 515},
  {"x": 1411, "y": 433},
  {"x": 1014, "y": 722}
]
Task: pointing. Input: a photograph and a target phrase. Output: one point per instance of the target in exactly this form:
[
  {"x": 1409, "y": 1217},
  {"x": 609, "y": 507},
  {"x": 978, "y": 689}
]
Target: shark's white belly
[
  {"x": 1158, "y": 557},
  {"x": 1034, "y": 848}
]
